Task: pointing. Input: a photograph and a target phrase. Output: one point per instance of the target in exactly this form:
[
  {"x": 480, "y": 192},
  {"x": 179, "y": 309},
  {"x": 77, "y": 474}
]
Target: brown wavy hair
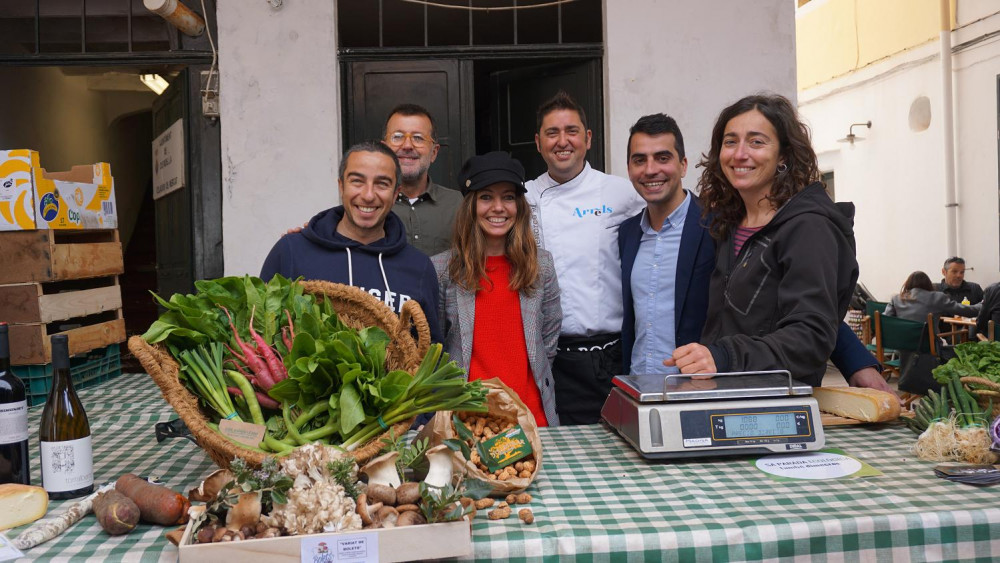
[
  {"x": 721, "y": 202},
  {"x": 916, "y": 280},
  {"x": 468, "y": 248}
]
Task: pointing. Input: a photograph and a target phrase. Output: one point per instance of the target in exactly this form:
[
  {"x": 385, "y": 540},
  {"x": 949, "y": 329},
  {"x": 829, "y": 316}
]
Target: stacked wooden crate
[{"x": 60, "y": 282}]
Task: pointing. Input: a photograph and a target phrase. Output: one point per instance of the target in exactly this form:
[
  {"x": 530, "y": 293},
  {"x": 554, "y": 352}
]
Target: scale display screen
[{"x": 756, "y": 425}]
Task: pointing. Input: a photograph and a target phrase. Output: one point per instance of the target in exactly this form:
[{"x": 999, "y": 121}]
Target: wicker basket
[
  {"x": 984, "y": 391},
  {"x": 355, "y": 309}
]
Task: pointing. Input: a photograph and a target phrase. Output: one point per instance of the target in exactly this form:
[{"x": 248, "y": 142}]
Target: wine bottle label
[
  {"x": 13, "y": 422},
  {"x": 67, "y": 466}
]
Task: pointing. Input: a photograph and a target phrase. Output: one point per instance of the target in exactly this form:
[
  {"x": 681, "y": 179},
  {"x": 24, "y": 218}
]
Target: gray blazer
[
  {"x": 540, "y": 312},
  {"x": 922, "y": 302}
]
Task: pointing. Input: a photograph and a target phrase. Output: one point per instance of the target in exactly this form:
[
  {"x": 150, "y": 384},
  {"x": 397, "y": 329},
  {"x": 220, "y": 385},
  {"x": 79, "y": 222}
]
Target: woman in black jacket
[{"x": 785, "y": 265}]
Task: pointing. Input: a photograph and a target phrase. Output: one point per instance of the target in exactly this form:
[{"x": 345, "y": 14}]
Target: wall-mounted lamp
[
  {"x": 851, "y": 137},
  {"x": 177, "y": 14},
  {"x": 154, "y": 82}
]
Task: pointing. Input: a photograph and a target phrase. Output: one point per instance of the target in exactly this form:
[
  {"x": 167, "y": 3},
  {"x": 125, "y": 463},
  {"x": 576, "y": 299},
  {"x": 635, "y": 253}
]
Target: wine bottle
[
  {"x": 64, "y": 433},
  {"x": 14, "y": 467}
]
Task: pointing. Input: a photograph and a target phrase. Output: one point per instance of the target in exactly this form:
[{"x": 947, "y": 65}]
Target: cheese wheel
[
  {"x": 859, "y": 403},
  {"x": 21, "y": 504}
]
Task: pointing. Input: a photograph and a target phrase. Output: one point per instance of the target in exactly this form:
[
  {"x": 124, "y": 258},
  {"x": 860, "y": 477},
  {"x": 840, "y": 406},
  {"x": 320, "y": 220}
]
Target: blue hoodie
[{"x": 389, "y": 268}]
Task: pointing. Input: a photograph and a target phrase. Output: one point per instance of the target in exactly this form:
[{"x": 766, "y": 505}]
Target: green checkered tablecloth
[{"x": 597, "y": 500}]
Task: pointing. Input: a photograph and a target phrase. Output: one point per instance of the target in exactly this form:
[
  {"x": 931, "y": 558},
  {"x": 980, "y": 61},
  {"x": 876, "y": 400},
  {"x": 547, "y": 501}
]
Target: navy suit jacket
[{"x": 695, "y": 263}]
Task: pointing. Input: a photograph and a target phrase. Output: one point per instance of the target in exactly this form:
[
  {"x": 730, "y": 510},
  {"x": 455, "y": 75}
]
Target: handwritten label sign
[
  {"x": 327, "y": 548},
  {"x": 168, "y": 160},
  {"x": 242, "y": 432}
]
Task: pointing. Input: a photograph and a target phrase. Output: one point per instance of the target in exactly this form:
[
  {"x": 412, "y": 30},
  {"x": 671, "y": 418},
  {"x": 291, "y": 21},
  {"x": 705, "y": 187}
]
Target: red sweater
[{"x": 498, "y": 348}]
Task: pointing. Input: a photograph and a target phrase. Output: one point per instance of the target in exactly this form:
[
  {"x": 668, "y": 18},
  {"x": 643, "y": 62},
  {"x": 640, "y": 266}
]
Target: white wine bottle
[
  {"x": 64, "y": 433},
  {"x": 14, "y": 466}
]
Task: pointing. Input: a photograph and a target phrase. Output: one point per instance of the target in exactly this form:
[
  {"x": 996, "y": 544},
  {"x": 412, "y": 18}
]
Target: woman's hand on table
[
  {"x": 692, "y": 359},
  {"x": 869, "y": 377}
]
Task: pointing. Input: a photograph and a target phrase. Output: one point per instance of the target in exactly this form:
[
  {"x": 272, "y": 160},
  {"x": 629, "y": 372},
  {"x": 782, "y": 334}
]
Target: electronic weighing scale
[{"x": 747, "y": 413}]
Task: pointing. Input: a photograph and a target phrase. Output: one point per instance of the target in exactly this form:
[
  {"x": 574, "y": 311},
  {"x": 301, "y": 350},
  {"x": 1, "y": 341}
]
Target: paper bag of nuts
[{"x": 505, "y": 410}]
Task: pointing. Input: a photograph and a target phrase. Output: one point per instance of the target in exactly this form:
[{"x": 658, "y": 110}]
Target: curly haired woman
[{"x": 785, "y": 262}]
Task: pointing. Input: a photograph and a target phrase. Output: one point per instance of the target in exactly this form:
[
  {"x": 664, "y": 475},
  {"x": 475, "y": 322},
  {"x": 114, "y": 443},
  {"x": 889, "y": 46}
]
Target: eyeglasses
[{"x": 397, "y": 138}]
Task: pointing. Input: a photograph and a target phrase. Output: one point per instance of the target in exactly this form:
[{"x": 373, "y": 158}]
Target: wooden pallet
[{"x": 53, "y": 255}]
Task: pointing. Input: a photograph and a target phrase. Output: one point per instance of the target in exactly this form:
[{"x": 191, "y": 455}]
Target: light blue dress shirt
[{"x": 654, "y": 276}]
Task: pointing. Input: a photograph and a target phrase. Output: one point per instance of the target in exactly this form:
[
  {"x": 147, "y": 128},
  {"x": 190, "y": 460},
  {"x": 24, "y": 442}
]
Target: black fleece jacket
[{"x": 779, "y": 303}]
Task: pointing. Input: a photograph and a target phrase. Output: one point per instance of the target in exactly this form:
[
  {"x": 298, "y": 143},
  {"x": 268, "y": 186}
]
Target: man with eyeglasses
[{"x": 426, "y": 209}]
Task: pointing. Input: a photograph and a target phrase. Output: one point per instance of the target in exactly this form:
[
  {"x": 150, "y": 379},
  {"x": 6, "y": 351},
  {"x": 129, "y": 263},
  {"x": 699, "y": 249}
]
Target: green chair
[
  {"x": 902, "y": 336},
  {"x": 868, "y": 326}
]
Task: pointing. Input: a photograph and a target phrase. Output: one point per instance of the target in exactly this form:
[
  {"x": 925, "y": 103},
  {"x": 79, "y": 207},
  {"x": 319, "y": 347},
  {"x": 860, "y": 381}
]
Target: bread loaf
[
  {"x": 859, "y": 403},
  {"x": 21, "y": 504}
]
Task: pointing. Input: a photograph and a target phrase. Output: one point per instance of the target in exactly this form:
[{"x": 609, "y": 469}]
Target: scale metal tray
[{"x": 734, "y": 385}]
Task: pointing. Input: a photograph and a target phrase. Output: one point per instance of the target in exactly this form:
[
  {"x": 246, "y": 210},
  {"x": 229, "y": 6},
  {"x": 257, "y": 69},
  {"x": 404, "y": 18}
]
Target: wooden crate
[
  {"x": 29, "y": 344},
  {"x": 51, "y": 255}
]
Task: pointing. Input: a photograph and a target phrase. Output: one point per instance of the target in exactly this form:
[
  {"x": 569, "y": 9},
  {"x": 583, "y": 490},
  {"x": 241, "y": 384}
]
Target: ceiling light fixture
[
  {"x": 851, "y": 137},
  {"x": 154, "y": 82}
]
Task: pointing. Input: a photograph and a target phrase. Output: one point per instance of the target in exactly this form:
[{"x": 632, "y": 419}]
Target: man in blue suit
[{"x": 667, "y": 257}]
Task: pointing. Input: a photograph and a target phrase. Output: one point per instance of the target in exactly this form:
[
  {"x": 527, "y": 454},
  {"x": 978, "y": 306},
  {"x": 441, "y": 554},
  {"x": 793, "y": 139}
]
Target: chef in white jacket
[{"x": 576, "y": 211}]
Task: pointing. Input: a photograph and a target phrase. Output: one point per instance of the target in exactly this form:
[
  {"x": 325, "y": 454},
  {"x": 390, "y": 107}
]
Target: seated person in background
[
  {"x": 954, "y": 285},
  {"x": 785, "y": 268},
  {"x": 990, "y": 310},
  {"x": 499, "y": 302},
  {"x": 917, "y": 298},
  {"x": 362, "y": 242}
]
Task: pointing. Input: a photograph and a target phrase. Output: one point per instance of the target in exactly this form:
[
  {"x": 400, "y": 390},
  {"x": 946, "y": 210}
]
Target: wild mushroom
[
  {"x": 367, "y": 512},
  {"x": 439, "y": 470},
  {"x": 383, "y": 494},
  {"x": 245, "y": 513},
  {"x": 388, "y": 516},
  {"x": 408, "y": 493},
  {"x": 382, "y": 470},
  {"x": 210, "y": 487},
  {"x": 410, "y": 518}
]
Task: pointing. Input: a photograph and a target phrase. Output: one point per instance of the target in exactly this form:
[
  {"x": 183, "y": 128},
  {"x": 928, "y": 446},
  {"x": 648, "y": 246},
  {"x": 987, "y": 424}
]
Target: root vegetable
[
  {"x": 157, "y": 504},
  {"x": 116, "y": 513}
]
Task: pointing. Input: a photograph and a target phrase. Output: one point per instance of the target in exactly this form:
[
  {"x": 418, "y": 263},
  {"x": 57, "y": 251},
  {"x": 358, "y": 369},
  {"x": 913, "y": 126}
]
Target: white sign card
[
  {"x": 168, "y": 160},
  {"x": 811, "y": 466},
  {"x": 328, "y": 548},
  {"x": 7, "y": 551}
]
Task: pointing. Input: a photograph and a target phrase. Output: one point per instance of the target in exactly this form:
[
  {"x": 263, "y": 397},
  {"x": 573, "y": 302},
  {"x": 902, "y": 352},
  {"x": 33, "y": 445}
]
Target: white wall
[
  {"x": 895, "y": 176},
  {"x": 690, "y": 59},
  {"x": 280, "y": 104}
]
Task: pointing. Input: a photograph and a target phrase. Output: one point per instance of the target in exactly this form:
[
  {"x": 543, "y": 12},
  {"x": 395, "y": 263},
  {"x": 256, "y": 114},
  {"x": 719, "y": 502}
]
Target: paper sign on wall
[{"x": 168, "y": 160}]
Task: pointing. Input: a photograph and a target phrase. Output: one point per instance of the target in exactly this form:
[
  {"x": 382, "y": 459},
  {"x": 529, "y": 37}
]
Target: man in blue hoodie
[{"x": 361, "y": 242}]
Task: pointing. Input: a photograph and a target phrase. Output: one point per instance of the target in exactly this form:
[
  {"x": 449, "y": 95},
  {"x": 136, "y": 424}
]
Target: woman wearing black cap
[{"x": 499, "y": 301}]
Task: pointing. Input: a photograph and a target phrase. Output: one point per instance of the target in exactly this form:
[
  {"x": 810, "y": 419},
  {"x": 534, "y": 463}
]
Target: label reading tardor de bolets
[{"x": 67, "y": 466}]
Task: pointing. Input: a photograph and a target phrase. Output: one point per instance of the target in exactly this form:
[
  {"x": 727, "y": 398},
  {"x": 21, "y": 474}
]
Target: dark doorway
[
  {"x": 516, "y": 91},
  {"x": 375, "y": 87},
  {"x": 479, "y": 104}
]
